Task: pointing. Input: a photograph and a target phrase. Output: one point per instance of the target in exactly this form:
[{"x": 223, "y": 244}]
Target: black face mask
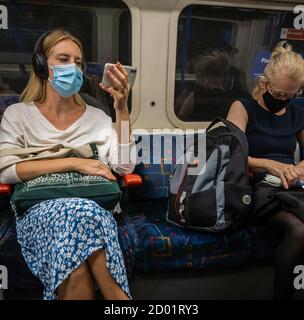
[{"x": 274, "y": 105}]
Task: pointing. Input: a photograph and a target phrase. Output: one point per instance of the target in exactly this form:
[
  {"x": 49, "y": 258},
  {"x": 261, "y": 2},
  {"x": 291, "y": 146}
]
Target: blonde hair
[
  {"x": 283, "y": 61},
  {"x": 35, "y": 89}
]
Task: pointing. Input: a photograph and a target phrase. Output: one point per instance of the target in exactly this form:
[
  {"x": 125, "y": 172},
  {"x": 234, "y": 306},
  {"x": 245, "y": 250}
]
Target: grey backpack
[{"x": 219, "y": 198}]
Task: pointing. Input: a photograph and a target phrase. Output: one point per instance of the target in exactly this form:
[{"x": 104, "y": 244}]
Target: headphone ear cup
[{"x": 40, "y": 66}]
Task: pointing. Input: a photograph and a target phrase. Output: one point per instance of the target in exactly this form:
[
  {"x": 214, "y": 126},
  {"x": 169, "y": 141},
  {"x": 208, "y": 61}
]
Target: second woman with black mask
[{"x": 273, "y": 125}]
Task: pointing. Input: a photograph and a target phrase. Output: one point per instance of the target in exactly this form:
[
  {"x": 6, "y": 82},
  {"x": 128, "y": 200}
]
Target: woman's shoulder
[
  {"x": 97, "y": 111},
  {"x": 238, "y": 114},
  {"x": 97, "y": 114},
  {"x": 239, "y": 104},
  {"x": 17, "y": 109},
  {"x": 248, "y": 104}
]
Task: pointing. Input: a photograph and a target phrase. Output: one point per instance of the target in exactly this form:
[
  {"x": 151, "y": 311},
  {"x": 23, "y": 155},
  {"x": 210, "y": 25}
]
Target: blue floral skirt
[{"x": 57, "y": 235}]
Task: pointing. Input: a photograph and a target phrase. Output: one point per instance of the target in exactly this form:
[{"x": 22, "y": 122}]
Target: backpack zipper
[{"x": 178, "y": 196}]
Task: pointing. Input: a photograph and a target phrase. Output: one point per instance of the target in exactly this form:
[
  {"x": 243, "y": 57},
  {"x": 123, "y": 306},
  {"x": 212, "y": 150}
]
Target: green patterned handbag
[
  {"x": 65, "y": 185},
  {"x": 104, "y": 192}
]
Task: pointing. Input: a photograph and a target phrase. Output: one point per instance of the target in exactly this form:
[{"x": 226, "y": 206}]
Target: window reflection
[{"x": 220, "y": 51}]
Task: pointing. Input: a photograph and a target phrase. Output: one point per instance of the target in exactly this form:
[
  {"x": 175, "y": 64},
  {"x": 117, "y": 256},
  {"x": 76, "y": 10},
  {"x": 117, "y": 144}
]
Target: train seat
[
  {"x": 172, "y": 263},
  {"x": 160, "y": 246},
  {"x": 150, "y": 244}
]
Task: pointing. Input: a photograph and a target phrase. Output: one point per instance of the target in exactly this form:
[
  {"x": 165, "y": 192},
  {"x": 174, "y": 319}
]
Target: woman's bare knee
[
  {"x": 79, "y": 284},
  {"x": 80, "y": 273}
]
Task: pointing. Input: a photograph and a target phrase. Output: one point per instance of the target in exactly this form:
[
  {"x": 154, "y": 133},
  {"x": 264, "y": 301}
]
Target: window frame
[
  {"x": 66, "y": 6},
  {"x": 135, "y": 58},
  {"x": 174, "y": 19}
]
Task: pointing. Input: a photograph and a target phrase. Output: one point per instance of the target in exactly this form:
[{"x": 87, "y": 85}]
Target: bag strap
[
  {"x": 238, "y": 134},
  {"x": 49, "y": 152},
  {"x": 231, "y": 126},
  {"x": 28, "y": 151},
  {"x": 234, "y": 130}
]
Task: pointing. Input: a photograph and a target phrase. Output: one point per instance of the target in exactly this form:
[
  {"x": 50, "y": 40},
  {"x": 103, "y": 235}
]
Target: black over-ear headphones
[{"x": 39, "y": 61}]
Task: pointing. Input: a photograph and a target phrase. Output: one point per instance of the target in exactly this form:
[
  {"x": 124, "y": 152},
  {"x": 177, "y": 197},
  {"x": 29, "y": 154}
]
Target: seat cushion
[
  {"x": 160, "y": 246},
  {"x": 126, "y": 245},
  {"x": 150, "y": 244}
]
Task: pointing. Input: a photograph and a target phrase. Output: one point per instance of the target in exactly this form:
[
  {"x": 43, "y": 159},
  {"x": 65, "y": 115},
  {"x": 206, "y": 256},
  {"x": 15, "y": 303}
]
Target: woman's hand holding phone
[{"x": 119, "y": 87}]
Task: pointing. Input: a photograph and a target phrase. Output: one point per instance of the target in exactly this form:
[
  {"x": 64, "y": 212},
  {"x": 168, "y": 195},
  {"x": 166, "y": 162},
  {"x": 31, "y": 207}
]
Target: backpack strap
[
  {"x": 231, "y": 126},
  {"x": 234, "y": 130}
]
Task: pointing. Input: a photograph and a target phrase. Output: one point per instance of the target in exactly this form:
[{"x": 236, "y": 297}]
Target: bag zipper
[{"x": 179, "y": 194}]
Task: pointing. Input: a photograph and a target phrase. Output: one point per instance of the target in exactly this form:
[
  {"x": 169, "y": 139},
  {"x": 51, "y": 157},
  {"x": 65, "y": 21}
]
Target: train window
[
  {"x": 104, "y": 28},
  {"x": 220, "y": 51}
]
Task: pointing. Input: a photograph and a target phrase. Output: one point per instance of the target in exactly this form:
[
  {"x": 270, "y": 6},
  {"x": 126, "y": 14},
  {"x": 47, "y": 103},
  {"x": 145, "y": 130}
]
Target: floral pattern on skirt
[{"x": 57, "y": 235}]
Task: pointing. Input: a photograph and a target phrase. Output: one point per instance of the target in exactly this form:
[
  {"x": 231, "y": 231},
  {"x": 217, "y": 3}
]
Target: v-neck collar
[{"x": 50, "y": 124}]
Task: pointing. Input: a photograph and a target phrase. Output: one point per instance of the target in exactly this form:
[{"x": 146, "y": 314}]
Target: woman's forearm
[
  {"x": 123, "y": 127},
  {"x": 28, "y": 170},
  {"x": 300, "y": 164},
  {"x": 259, "y": 164}
]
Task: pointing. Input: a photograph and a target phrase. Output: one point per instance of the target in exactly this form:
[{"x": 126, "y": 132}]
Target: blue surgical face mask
[{"x": 67, "y": 79}]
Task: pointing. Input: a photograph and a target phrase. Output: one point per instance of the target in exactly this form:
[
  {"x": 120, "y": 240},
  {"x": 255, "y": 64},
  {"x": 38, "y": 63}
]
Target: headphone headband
[{"x": 38, "y": 44}]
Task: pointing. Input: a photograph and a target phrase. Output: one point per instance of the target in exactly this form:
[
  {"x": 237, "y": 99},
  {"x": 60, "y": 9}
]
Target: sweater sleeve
[
  {"x": 10, "y": 137},
  {"x": 122, "y": 157}
]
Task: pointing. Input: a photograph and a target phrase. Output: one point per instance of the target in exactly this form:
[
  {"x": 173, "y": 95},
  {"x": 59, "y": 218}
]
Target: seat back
[
  {"x": 162, "y": 150},
  {"x": 6, "y": 100}
]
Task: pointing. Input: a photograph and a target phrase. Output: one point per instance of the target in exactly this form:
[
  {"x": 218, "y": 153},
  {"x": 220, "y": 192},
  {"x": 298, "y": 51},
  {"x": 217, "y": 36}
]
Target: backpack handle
[
  {"x": 231, "y": 126},
  {"x": 234, "y": 130}
]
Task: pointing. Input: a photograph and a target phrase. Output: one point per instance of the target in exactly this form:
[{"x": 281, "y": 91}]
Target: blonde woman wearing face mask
[
  {"x": 273, "y": 125},
  {"x": 70, "y": 244}
]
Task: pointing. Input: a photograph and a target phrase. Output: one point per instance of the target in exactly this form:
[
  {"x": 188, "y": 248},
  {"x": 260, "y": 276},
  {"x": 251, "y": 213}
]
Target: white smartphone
[{"x": 132, "y": 71}]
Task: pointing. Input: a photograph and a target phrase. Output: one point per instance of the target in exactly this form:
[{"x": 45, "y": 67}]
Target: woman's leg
[
  {"x": 289, "y": 253},
  {"x": 107, "y": 284},
  {"x": 78, "y": 286}
]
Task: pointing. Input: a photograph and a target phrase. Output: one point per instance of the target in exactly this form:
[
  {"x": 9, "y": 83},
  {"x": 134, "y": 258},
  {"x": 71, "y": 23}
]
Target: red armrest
[
  {"x": 129, "y": 180},
  {"x": 6, "y": 189},
  {"x": 132, "y": 180}
]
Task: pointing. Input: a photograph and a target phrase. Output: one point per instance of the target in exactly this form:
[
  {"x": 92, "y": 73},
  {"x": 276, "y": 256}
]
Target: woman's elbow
[{"x": 9, "y": 175}]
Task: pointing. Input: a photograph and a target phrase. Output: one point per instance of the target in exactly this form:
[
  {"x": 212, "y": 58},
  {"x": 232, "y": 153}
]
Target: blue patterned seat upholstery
[
  {"x": 159, "y": 246},
  {"x": 19, "y": 276},
  {"x": 6, "y": 100}
]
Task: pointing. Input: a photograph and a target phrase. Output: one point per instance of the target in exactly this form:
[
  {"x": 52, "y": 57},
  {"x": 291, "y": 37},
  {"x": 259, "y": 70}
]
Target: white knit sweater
[{"x": 23, "y": 125}]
